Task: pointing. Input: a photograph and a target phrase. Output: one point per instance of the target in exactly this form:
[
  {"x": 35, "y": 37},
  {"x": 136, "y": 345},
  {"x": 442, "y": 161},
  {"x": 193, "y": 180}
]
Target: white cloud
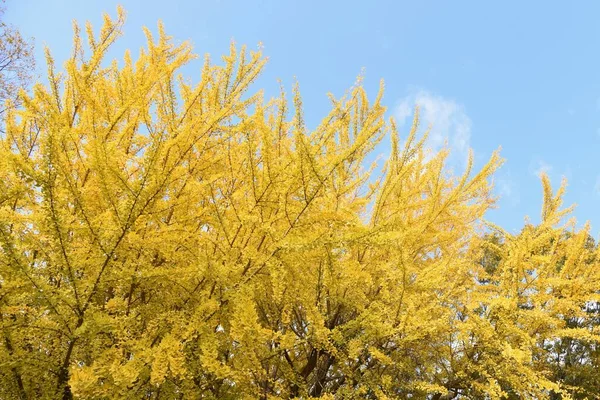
[
  {"x": 507, "y": 190},
  {"x": 382, "y": 39},
  {"x": 539, "y": 167},
  {"x": 446, "y": 118},
  {"x": 504, "y": 187}
]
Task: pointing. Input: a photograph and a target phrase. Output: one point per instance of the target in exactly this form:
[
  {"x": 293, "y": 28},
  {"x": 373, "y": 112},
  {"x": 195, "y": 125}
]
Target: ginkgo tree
[
  {"x": 17, "y": 63},
  {"x": 164, "y": 239}
]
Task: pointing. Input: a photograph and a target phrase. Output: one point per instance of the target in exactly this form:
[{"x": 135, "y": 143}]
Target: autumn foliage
[{"x": 163, "y": 239}]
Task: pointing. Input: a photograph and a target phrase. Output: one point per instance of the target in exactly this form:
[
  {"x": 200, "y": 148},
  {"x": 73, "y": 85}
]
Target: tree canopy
[
  {"x": 163, "y": 239},
  {"x": 16, "y": 63}
]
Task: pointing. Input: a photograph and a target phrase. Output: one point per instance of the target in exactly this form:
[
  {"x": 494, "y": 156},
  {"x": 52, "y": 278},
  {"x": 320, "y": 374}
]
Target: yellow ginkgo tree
[{"x": 163, "y": 239}]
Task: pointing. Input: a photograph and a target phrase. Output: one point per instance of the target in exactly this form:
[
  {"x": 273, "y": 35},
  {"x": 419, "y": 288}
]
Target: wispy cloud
[
  {"x": 447, "y": 119},
  {"x": 538, "y": 167},
  {"x": 508, "y": 191}
]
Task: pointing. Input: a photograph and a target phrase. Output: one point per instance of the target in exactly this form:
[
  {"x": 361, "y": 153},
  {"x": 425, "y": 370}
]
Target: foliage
[
  {"x": 163, "y": 239},
  {"x": 16, "y": 64}
]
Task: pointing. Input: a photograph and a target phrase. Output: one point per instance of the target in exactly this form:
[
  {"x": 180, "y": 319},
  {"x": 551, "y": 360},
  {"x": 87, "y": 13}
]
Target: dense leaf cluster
[{"x": 160, "y": 239}]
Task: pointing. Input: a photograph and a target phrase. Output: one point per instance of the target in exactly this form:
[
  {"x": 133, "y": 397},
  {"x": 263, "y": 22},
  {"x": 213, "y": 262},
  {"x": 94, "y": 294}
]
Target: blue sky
[{"x": 521, "y": 75}]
